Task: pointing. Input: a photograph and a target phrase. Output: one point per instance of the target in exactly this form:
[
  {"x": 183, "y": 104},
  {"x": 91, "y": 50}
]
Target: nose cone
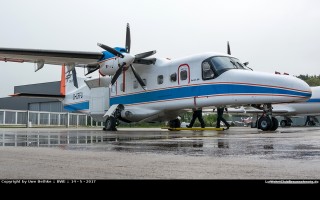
[
  {"x": 297, "y": 85},
  {"x": 283, "y": 88}
]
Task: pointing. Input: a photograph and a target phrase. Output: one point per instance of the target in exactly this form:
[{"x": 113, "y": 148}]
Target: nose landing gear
[{"x": 266, "y": 122}]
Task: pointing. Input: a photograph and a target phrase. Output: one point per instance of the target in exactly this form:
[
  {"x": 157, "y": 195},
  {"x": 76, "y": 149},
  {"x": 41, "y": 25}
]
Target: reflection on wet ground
[{"x": 296, "y": 143}]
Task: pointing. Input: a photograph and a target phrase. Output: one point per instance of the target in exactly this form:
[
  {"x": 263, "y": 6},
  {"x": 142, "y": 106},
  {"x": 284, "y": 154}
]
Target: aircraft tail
[{"x": 77, "y": 94}]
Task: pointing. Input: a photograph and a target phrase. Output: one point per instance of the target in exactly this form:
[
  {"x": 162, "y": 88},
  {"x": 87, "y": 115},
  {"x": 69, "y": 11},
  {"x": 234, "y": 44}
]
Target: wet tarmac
[
  {"x": 87, "y": 153},
  {"x": 286, "y": 143}
]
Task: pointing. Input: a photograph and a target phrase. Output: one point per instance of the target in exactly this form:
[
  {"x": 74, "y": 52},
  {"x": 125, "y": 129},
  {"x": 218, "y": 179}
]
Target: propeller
[
  {"x": 128, "y": 59},
  {"x": 111, "y": 50},
  {"x": 92, "y": 68},
  {"x": 128, "y": 39},
  {"x": 143, "y": 85},
  {"x": 144, "y": 55},
  {"x": 117, "y": 74}
]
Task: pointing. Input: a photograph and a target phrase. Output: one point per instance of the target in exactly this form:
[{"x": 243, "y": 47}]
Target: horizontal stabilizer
[{"x": 37, "y": 95}]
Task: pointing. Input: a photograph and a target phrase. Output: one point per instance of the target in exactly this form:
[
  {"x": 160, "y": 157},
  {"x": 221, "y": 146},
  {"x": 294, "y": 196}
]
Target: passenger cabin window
[
  {"x": 207, "y": 71},
  {"x": 160, "y": 79},
  {"x": 173, "y": 77},
  {"x": 183, "y": 75},
  {"x": 135, "y": 84}
]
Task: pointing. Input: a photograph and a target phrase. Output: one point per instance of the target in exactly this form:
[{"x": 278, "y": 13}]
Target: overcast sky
[{"x": 273, "y": 35}]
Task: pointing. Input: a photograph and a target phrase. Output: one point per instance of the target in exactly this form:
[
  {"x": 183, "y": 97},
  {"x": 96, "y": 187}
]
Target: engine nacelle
[{"x": 109, "y": 67}]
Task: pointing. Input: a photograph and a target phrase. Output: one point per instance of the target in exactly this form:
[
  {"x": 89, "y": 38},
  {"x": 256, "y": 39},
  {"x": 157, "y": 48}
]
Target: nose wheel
[{"x": 266, "y": 122}]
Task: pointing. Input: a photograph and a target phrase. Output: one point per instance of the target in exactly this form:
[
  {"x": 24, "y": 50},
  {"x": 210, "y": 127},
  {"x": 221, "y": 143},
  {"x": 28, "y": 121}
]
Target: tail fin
[{"x": 77, "y": 96}]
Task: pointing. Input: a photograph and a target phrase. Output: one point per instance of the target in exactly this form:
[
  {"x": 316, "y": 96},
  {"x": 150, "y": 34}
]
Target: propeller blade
[
  {"x": 145, "y": 54},
  {"x": 147, "y": 61},
  {"x": 74, "y": 77},
  {"x": 111, "y": 50},
  {"x": 229, "y": 51},
  {"x": 143, "y": 85},
  {"x": 128, "y": 39},
  {"x": 117, "y": 74},
  {"x": 92, "y": 68}
]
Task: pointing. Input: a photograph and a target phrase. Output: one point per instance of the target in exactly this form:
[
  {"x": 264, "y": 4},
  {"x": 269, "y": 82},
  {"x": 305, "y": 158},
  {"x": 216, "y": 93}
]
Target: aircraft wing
[{"x": 54, "y": 57}]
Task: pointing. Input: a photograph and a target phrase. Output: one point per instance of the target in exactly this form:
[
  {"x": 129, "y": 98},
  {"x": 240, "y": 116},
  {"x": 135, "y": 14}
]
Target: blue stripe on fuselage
[
  {"x": 313, "y": 100},
  {"x": 77, "y": 106},
  {"x": 201, "y": 90}
]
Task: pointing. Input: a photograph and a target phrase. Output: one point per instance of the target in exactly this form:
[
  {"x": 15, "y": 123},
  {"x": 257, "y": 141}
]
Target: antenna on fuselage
[{"x": 229, "y": 51}]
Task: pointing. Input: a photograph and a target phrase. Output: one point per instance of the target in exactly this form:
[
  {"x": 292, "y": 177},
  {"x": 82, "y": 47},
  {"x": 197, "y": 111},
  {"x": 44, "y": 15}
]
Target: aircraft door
[
  {"x": 99, "y": 101},
  {"x": 183, "y": 74}
]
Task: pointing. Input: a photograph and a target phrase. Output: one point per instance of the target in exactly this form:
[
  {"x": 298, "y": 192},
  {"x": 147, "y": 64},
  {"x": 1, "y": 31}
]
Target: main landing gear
[
  {"x": 176, "y": 123},
  {"x": 111, "y": 123},
  {"x": 113, "y": 117},
  {"x": 266, "y": 122}
]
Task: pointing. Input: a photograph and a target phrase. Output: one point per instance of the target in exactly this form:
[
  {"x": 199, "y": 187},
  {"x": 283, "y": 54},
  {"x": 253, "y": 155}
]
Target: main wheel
[
  {"x": 264, "y": 123},
  {"x": 275, "y": 124},
  {"x": 283, "y": 123},
  {"x": 175, "y": 123},
  {"x": 110, "y": 124},
  {"x": 311, "y": 123}
]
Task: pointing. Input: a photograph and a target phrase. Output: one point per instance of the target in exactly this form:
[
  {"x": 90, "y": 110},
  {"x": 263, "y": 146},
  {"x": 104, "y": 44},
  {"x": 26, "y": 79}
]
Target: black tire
[
  {"x": 264, "y": 123},
  {"x": 311, "y": 123},
  {"x": 275, "y": 124},
  {"x": 110, "y": 124},
  {"x": 283, "y": 123},
  {"x": 175, "y": 123}
]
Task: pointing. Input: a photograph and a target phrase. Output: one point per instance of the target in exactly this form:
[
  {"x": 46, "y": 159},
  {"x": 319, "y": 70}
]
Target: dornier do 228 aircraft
[{"x": 135, "y": 88}]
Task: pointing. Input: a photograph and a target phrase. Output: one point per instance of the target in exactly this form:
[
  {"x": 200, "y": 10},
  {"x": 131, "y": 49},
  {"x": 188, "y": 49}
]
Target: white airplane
[
  {"x": 158, "y": 89},
  {"x": 309, "y": 108}
]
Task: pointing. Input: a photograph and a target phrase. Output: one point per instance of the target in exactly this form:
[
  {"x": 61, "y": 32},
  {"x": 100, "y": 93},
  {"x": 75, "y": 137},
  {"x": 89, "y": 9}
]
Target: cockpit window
[
  {"x": 214, "y": 66},
  {"x": 223, "y": 63},
  {"x": 207, "y": 71}
]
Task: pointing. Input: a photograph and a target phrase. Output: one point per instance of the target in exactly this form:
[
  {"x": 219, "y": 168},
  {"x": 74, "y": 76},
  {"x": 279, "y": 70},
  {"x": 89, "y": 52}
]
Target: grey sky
[{"x": 279, "y": 35}]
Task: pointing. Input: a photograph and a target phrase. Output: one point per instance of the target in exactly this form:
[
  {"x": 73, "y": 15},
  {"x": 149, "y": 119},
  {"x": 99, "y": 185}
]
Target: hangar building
[{"x": 32, "y": 103}]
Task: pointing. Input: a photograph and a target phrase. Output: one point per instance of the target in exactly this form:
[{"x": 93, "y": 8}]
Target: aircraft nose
[
  {"x": 279, "y": 88},
  {"x": 298, "y": 85},
  {"x": 290, "y": 86}
]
